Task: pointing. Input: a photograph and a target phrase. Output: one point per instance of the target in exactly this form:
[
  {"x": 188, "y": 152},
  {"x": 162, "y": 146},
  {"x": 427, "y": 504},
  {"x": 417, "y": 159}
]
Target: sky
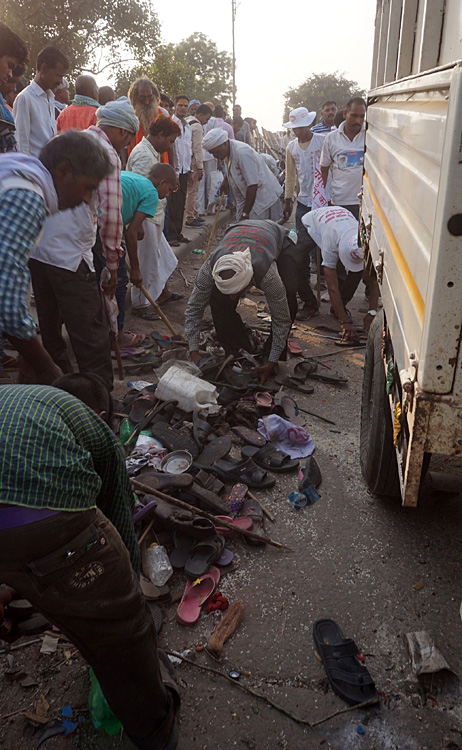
[{"x": 278, "y": 46}]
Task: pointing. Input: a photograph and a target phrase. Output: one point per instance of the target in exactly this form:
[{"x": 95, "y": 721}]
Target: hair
[
  {"x": 164, "y": 126},
  {"x": 328, "y": 102},
  {"x": 81, "y": 151},
  {"x": 203, "y": 109},
  {"x": 339, "y": 118},
  {"x": 51, "y": 57},
  {"x": 219, "y": 111},
  {"x": 163, "y": 171},
  {"x": 355, "y": 100},
  {"x": 12, "y": 45},
  {"x": 142, "y": 84},
  {"x": 181, "y": 96},
  {"x": 85, "y": 85},
  {"x": 238, "y": 121},
  {"x": 106, "y": 94},
  {"x": 211, "y": 105},
  {"x": 89, "y": 388},
  {"x": 165, "y": 98},
  {"x": 19, "y": 70}
]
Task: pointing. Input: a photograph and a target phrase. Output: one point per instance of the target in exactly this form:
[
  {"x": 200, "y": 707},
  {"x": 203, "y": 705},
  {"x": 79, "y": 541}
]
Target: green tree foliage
[
  {"x": 194, "y": 67},
  {"x": 89, "y": 32},
  {"x": 318, "y": 89}
]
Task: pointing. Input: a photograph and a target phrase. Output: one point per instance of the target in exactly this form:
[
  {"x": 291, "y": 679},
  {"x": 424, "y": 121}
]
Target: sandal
[
  {"x": 311, "y": 474},
  {"x": 297, "y": 385},
  {"x": 204, "y": 554},
  {"x": 347, "y": 677},
  {"x": 252, "y": 509},
  {"x": 245, "y": 471},
  {"x": 195, "y": 595},
  {"x": 249, "y": 436},
  {"x": 309, "y": 369},
  {"x": 269, "y": 458},
  {"x": 173, "y": 298},
  {"x": 173, "y": 439},
  {"x": 136, "y": 339},
  {"x": 201, "y": 429},
  {"x": 145, "y": 313},
  {"x": 287, "y": 408},
  {"x": 217, "y": 448}
]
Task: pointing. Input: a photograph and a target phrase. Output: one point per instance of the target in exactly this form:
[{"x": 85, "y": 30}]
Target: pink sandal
[
  {"x": 195, "y": 595},
  {"x": 242, "y": 522}
]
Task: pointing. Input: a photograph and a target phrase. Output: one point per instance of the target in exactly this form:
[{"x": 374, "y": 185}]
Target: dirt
[{"x": 355, "y": 558}]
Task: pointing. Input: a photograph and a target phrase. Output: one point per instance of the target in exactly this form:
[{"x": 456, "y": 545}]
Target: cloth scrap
[{"x": 285, "y": 436}]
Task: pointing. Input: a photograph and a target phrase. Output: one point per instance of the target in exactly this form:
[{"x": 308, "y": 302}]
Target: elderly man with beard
[{"x": 145, "y": 100}]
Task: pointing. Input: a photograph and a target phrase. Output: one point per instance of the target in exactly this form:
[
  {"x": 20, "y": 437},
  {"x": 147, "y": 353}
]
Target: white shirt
[
  {"x": 246, "y": 167},
  {"x": 34, "y": 116},
  {"x": 141, "y": 160},
  {"x": 183, "y": 147},
  {"x": 329, "y": 227},
  {"x": 68, "y": 237},
  {"x": 304, "y": 164},
  {"x": 346, "y": 158}
]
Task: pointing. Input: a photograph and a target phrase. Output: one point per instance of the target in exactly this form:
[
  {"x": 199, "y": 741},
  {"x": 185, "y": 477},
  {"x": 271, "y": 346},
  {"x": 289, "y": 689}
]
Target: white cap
[
  {"x": 349, "y": 253},
  {"x": 300, "y": 118}
]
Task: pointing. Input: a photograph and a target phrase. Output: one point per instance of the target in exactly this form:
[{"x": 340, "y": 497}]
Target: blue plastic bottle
[{"x": 101, "y": 715}]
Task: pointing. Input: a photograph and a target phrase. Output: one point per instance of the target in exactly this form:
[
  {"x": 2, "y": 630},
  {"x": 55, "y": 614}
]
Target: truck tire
[{"x": 377, "y": 453}]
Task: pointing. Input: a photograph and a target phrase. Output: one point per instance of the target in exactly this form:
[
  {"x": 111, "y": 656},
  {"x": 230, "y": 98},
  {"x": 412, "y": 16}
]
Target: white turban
[
  {"x": 118, "y": 114},
  {"x": 214, "y": 138},
  {"x": 241, "y": 264}
]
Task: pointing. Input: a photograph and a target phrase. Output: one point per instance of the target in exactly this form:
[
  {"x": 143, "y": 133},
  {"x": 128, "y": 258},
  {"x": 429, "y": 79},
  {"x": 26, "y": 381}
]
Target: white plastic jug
[{"x": 191, "y": 393}]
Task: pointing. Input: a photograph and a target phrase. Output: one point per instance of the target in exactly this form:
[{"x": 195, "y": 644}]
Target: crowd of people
[{"x": 95, "y": 191}]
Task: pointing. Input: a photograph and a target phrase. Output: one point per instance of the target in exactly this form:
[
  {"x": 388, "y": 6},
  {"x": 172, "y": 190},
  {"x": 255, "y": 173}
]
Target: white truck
[{"x": 411, "y": 229}]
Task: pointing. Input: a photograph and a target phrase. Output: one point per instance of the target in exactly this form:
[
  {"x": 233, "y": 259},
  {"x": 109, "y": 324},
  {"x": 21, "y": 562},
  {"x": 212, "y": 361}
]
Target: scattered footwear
[
  {"x": 173, "y": 439},
  {"x": 145, "y": 313},
  {"x": 252, "y": 437},
  {"x": 245, "y": 471},
  {"x": 173, "y": 298},
  {"x": 204, "y": 554},
  {"x": 297, "y": 385},
  {"x": 195, "y": 223},
  {"x": 195, "y": 595},
  {"x": 294, "y": 348},
  {"x": 217, "y": 448},
  {"x": 306, "y": 313},
  {"x": 269, "y": 458}
]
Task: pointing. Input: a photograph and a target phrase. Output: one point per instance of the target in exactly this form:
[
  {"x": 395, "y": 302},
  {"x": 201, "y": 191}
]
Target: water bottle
[
  {"x": 293, "y": 236},
  {"x": 158, "y": 564},
  {"x": 101, "y": 715}
]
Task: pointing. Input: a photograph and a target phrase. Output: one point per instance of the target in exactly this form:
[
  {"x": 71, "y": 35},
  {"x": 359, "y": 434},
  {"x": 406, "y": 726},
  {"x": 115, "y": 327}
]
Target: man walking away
[
  {"x": 34, "y": 106},
  {"x": 328, "y": 112},
  {"x": 82, "y": 112},
  {"x": 196, "y": 123},
  {"x": 183, "y": 152},
  {"x": 244, "y": 127}
]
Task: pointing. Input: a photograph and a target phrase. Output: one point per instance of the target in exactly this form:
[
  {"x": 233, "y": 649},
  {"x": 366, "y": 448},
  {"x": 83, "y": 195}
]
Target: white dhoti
[{"x": 157, "y": 263}]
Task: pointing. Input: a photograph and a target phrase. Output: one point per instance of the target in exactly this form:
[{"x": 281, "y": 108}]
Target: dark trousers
[
  {"x": 176, "y": 208},
  {"x": 231, "y": 330},
  {"x": 348, "y": 281},
  {"x": 75, "y": 569},
  {"x": 303, "y": 249},
  {"x": 122, "y": 279},
  {"x": 71, "y": 298}
]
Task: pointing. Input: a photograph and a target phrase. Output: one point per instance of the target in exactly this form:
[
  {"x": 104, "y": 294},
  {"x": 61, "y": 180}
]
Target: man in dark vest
[{"x": 258, "y": 253}]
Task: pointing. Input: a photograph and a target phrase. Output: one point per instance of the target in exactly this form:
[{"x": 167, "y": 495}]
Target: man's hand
[
  {"x": 287, "y": 210},
  {"x": 195, "y": 356},
  {"x": 348, "y": 332},
  {"x": 200, "y": 174},
  {"x": 135, "y": 276},
  {"x": 224, "y": 186},
  {"x": 110, "y": 286},
  {"x": 368, "y": 321},
  {"x": 141, "y": 233},
  {"x": 265, "y": 372}
]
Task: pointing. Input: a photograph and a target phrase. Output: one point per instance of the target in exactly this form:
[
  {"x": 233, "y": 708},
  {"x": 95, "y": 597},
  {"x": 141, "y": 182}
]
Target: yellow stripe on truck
[{"x": 401, "y": 262}]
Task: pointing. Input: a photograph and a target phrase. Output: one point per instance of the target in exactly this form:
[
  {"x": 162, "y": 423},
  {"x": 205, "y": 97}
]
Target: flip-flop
[
  {"x": 294, "y": 347},
  {"x": 245, "y": 471},
  {"x": 252, "y": 509},
  {"x": 149, "y": 590},
  {"x": 347, "y": 677},
  {"x": 288, "y": 406},
  {"x": 201, "y": 429},
  {"x": 310, "y": 475},
  {"x": 226, "y": 558},
  {"x": 136, "y": 338},
  {"x": 217, "y": 448},
  {"x": 157, "y": 480},
  {"x": 173, "y": 298},
  {"x": 310, "y": 369},
  {"x": 140, "y": 407},
  {"x": 269, "y": 458},
  {"x": 296, "y": 384},
  {"x": 263, "y": 398},
  {"x": 241, "y": 522},
  {"x": 164, "y": 342},
  {"x": 195, "y": 595},
  {"x": 173, "y": 439},
  {"x": 129, "y": 351},
  {"x": 249, "y": 436},
  {"x": 204, "y": 554},
  {"x": 184, "y": 544},
  {"x": 236, "y": 497}
]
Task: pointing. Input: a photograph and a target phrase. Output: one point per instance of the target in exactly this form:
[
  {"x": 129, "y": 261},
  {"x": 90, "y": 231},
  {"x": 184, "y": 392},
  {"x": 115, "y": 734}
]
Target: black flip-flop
[
  {"x": 183, "y": 548},
  {"x": 204, "y": 554},
  {"x": 245, "y": 471},
  {"x": 311, "y": 474},
  {"x": 201, "y": 429},
  {"x": 173, "y": 439},
  {"x": 288, "y": 381},
  {"x": 269, "y": 458},
  {"x": 309, "y": 368},
  {"x": 252, "y": 437},
  {"x": 217, "y": 448},
  {"x": 157, "y": 480},
  {"x": 347, "y": 677}
]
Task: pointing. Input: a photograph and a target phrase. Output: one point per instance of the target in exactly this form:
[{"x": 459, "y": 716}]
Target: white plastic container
[{"x": 191, "y": 393}]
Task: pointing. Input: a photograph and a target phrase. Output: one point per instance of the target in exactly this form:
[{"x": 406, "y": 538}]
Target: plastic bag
[
  {"x": 215, "y": 182},
  {"x": 158, "y": 564}
]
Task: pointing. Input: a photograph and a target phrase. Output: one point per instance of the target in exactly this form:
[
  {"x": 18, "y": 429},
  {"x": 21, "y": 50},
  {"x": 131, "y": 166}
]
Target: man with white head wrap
[
  {"x": 252, "y": 252},
  {"x": 255, "y": 188},
  {"x": 335, "y": 230}
]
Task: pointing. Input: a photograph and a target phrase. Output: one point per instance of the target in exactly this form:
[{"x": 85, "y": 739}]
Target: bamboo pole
[
  {"x": 154, "y": 304},
  {"x": 212, "y": 233}
]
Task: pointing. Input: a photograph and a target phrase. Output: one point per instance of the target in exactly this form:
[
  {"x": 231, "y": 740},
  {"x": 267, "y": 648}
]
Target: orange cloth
[{"x": 76, "y": 116}]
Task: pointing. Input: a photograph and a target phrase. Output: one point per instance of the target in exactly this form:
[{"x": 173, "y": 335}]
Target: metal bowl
[{"x": 177, "y": 462}]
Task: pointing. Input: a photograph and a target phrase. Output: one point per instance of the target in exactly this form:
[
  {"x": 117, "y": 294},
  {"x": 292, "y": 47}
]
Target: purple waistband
[{"x": 12, "y": 516}]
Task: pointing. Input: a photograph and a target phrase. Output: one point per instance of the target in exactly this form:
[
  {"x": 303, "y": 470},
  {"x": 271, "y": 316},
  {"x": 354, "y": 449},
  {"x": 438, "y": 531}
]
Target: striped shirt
[
  {"x": 56, "y": 453},
  {"x": 22, "y": 215}
]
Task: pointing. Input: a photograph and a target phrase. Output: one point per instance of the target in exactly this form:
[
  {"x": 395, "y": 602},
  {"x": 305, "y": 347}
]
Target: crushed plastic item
[
  {"x": 138, "y": 385},
  {"x": 101, "y": 715},
  {"x": 67, "y": 712},
  {"x": 426, "y": 658},
  {"x": 197, "y": 251},
  {"x": 49, "y": 644},
  {"x": 359, "y": 729},
  {"x": 308, "y": 496},
  {"x": 177, "y": 659},
  {"x": 158, "y": 564}
]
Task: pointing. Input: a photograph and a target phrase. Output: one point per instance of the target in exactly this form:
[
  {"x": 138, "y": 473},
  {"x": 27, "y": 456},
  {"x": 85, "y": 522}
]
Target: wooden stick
[
  {"x": 145, "y": 533},
  {"x": 144, "y": 422},
  {"x": 212, "y": 233},
  {"x": 225, "y": 629},
  {"x": 263, "y": 507},
  {"x": 154, "y": 304},
  {"x": 318, "y": 275},
  {"x": 180, "y": 504},
  {"x": 340, "y": 350},
  {"x": 313, "y": 414},
  {"x": 120, "y": 364}
]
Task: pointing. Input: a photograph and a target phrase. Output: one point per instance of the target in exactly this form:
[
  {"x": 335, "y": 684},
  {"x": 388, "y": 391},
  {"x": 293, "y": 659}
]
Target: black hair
[
  {"x": 355, "y": 100},
  {"x": 163, "y": 171},
  {"x": 181, "y": 96},
  {"x": 219, "y": 111},
  {"x": 238, "y": 121},
  {"x": 51, "y": 57},
  {"x": 329, "y": 101},
  {"x": 204, "y": 109},
  {"x": 106, "y": 94},
  {"x": 81, "y": 150},
  {"x": 166, "y": 98},
  {"x": 339, "y": 118},
  {"x": 12, "y": 45},
  {"x": 89, "y": 388}
]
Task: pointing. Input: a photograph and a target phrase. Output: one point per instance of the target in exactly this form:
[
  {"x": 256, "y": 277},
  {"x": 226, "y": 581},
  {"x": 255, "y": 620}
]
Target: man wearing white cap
[
  {"x": 336, "y": 230},
  {"x": 252, "y": 252},
  {"x": 300, "y": 163},
  {"x": 255, "y": 188}
]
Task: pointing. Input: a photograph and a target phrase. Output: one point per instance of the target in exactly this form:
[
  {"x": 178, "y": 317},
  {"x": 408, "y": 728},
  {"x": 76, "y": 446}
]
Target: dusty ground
[{"x": 355, "y": 558}]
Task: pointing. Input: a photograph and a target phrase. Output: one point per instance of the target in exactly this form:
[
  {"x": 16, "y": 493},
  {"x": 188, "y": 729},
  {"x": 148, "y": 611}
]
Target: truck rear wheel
[{"x": 377, "y": 453}]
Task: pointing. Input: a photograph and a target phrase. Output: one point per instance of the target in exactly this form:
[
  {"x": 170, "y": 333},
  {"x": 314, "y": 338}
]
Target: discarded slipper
[
  {"x": 289, "y": 381},
  {"x": 204, "y": 554},
  {"x": 252, "y": 509},
  {"x": 195, "y": 595},
  {"x": 245, "y": 471},
  {"x": 129, "y": 351},
  {"x": 182, "y": 551},
  {"x": 201, "y": 429},
  {"x": 241, "y": 522},
  {"x": 347, "y": 677},
  {"x": 217, "y": 448},
  {"x": 141, "y": 406},
  {"x": 263, "y": 398},
  {"x": 249, "y": 436},
  {"x": 311, "y": 474},
  {"x": 287, "y": 407},
  {"x": 309, "y": 368},
  {"x": 149, "y": 590},
  {"x": 163, "y": 341},
  {"x": 226, "y": 558},
  {"x": 159, "y": 481},
  {"x": 236, "y": 497},
  {"x": 269, "y": 458},
  {"x": 173, "y": 439},
  {"x": 294, "y": 348}
]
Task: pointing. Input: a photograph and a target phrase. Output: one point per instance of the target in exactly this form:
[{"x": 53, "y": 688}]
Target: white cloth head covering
[
  {"x": 349, "y": 253},
  {"x": 241, "y": 264},
  {"x": 118, "y": 114},
  {"x": 23, "y": 165},
  {"x": 214, "y": 138}
]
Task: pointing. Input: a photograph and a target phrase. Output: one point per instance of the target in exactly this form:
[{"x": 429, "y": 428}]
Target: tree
[
  {"x": 193, "y": 67},
  {"x": 85, "y": 30},
  {"x": 318, "y": 89}
]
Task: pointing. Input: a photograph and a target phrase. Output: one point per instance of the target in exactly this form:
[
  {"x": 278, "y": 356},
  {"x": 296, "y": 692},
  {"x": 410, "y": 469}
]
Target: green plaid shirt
[{"x": 56, "y": 453}]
